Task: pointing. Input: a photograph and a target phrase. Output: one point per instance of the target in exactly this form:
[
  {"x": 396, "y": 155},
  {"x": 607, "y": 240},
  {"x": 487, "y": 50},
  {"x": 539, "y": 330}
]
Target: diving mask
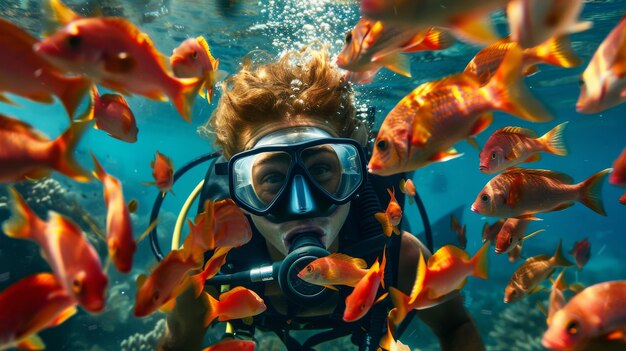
[{"x": 295, "y": 173}]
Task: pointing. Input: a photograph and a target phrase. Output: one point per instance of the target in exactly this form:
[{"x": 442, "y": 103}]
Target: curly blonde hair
[{"x": 300, "y": 85}]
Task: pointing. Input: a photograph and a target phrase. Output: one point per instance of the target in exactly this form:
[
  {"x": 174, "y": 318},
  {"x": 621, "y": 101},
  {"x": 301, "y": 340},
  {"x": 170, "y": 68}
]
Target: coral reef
[
  {"x": 518, "y": 327},
  {"x": 144, "y": 342}
]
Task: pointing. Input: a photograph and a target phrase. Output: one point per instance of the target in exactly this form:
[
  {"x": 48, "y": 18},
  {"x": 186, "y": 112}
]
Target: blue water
[{"x": 594, "y": 141}]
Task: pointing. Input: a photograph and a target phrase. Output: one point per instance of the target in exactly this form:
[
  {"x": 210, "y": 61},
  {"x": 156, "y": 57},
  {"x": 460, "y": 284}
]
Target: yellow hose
[{"x": 180, "y": 221}]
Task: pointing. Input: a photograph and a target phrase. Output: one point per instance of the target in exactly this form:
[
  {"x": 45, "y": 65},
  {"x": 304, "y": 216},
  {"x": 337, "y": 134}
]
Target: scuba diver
[{"x": 294, "y": 159}]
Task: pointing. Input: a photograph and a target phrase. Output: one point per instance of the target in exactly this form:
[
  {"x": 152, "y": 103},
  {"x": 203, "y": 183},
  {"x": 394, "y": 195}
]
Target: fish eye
[
  {"x": 581, "y": 82},
  {"x": 572, "y": 327},
  {"x": 382, "y": 145},
  {"x": 155, "y": 297},
  {"x": 493, "y": 155},
  {"x": 309, "y": 268},
  {"x": 484, "y": 198},
  {"x": 510, "y": 241},
  {"x": 194, "y": 55},
  {"x": 348, "y": 37},
  {"x": 77, "y": 286},
  {"x": 74, "y": 41}
]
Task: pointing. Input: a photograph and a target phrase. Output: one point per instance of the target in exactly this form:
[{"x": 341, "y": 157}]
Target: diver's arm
[
  {"x": 185, "y": 324},
  {"x": 449, "y": 321}
]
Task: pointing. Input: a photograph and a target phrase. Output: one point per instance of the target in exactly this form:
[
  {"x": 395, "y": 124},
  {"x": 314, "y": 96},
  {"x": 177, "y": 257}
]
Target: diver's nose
[{"x": 301, "y": 198}]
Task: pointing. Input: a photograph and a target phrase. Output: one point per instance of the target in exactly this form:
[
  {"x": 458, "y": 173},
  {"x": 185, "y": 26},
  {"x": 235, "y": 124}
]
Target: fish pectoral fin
[
  {"x": 398, "y": 63},
  {"x": 536, "y": 289},
  {"x": 442, "y": 156},
  {"x": 420, "y": 135},
  {"x": 529, "y": 217},
  {"x": 32, "y": 342},
  {"x": 63, "y": 316},
  {"x": 483, "y": 122},
  {"x": 472, "y": 141},
  {"x": 168, "y": 306},
  {"x": 382, "y": 297},
  {"x": 331, "y": 287},
  {"x": 563, "y": 206},
  {"x": 384, "y": 222},
  {"x": 533, "y": 158}
]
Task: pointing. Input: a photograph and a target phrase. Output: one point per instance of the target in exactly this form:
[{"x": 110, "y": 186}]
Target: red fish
[
  {"x": 232, "y": 345},
  {"x": 407, "y": 187},
  {"x": 168, "y": 279},
  {"x": 116, "y": 54},
  {"x": 392, "y": 216},
  {"x": 603, "y": 83},
  {"x": 522, "y": 193},
  {"x": 32, "y": 304},
  {"x": 114, "y": 116},
  {"x": 26, "y": 74},
  {"x": 459, "y": 230},
  {"x": 581, "y": 252},
  {"x": 334, "y": 269},
  {"x": 532, "y": 22},
  {"x": 490, "y": 231},
  {"x": 27, "y": 154},
  {"x": 423, "y": 127},
  {"x": 594, "y": 313},
  {"x": 511, "y": 146},
  {"x": 359, "y": 302},
  {"x": 618, "y": 176},
  {"x": 72, "y": 258},
  {"x": 212, "y": 267},
  {"x": 162, "y": 172},
  {"x": 510, "y": 235},
  {"x": 236, "y": 303},
  {"x": 119, "y": 237},
  {"x": 193, "y": 59}
]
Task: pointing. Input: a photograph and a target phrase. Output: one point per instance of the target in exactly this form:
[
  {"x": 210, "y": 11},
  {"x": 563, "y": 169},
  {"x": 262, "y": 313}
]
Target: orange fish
[
  {"x": 603, "y": 83},
  {"x": 72, "y": 258},
  {"x": 25, "y": 153},
  {"x": 468, "y": 19},
  {"x": 424, "y": 125},
  {"x": 119, "y": 237},
  {"x": 460, "y": 231},
  {"x": 232, "y": 345},
  {"x": 407, "y": 187},
  {"x": 556, "y": 51},
  {"x": 490, "y": 231},
  {"x": 522, "y": 193},
  {"x": 116, "y": 54},
  {"x": 168, "y": 279},
  {"x": 334, "y": 269},
  {"x": 26, "y": 74},
  {"x": 212, "y": 267},
  {"x": 162, "y": 172},
  {"x": 618, "y": 176},
  {"x": 371, "y": 45},
  {"x": 557, "y": 299},
  {"x": 511, "y": 146},
  {"x": 389, "y": 343},
  {"x": 193, "y": 59},
  {"x": 114, "y": 116},
  {"x": 511, "y": 234},
  {"x": 446, "y": 271},
  {"x": 30, "y": 305},
  {"x": 581, "y": 252},
  {"x": 359, "y": 302},
  {"x": 392, "y": 216},
  {"x": 531, "y": 273},
  {"x": 532, "y": 22},
  {"x": 236, "y": 303}
]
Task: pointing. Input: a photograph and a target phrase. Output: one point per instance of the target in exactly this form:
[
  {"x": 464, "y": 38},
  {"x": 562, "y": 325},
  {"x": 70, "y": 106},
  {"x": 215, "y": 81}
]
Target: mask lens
[
  {"x": 335, "y": 168},
  {"x": 259, "y": 178}
]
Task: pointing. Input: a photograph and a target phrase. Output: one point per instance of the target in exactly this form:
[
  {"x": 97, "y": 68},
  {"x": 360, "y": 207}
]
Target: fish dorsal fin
[
  {"x": 566, "y": 179},
  {"x": 519, "y": 130},
  {"x": 141, "y": 280},
  {"x": 441, "y": 259},
  {"x": 17, "y": 126},
  {"x": 537, "y": 258},
  {"x": 142, "y": 38},
  {"x": 227, "y": 294},
  {"x": 205, "y": 45},
  {"x": 357, "y": 262}
]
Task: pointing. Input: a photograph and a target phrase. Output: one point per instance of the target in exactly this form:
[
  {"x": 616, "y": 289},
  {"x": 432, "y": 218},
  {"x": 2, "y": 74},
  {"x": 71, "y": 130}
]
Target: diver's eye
[
  {"x": 74, "y": 41},
  {"x": 76, "y": 286},
  {"x": 572, "y": 327},
  {"x": 493, "y": 155},
  {"x": 194, "y": 55},
  {"x": 348, "y": 37},
  {"x": 484, "y": 198},
  {"x": 382, "y": 145},
  {"x": 309, "y": 268}
]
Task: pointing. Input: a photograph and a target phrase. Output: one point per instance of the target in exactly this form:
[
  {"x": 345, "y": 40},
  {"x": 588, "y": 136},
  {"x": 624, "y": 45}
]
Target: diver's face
[{"x": 279, "y": 235}]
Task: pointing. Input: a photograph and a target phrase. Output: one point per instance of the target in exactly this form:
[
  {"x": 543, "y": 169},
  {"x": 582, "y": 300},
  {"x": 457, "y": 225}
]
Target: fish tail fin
[
  {"x": 63, "y": 152},
  {"x": 73, "y": 93},
  {"x": 438, "y": 39},
  {"x": 554, "y": 140},
  {"x": 622, "y": 200},
  {"x": 56, "y": 14},
  {"x": 23, "y": 221},
  {"x": 591, "y": 193},
  {"x": 185, "y": 94},
  {"x": 480, "y": 262},
  {"x": 558, "y": 258},
  {"x": 32, "y": 342},
  {"x": 401, "y": 302},
  {"x": 212, "y": 308},
  {"x": 98, "y": 171},
  {"x": 558, "y": 52},
  {"x": 507, "y": 92}
]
